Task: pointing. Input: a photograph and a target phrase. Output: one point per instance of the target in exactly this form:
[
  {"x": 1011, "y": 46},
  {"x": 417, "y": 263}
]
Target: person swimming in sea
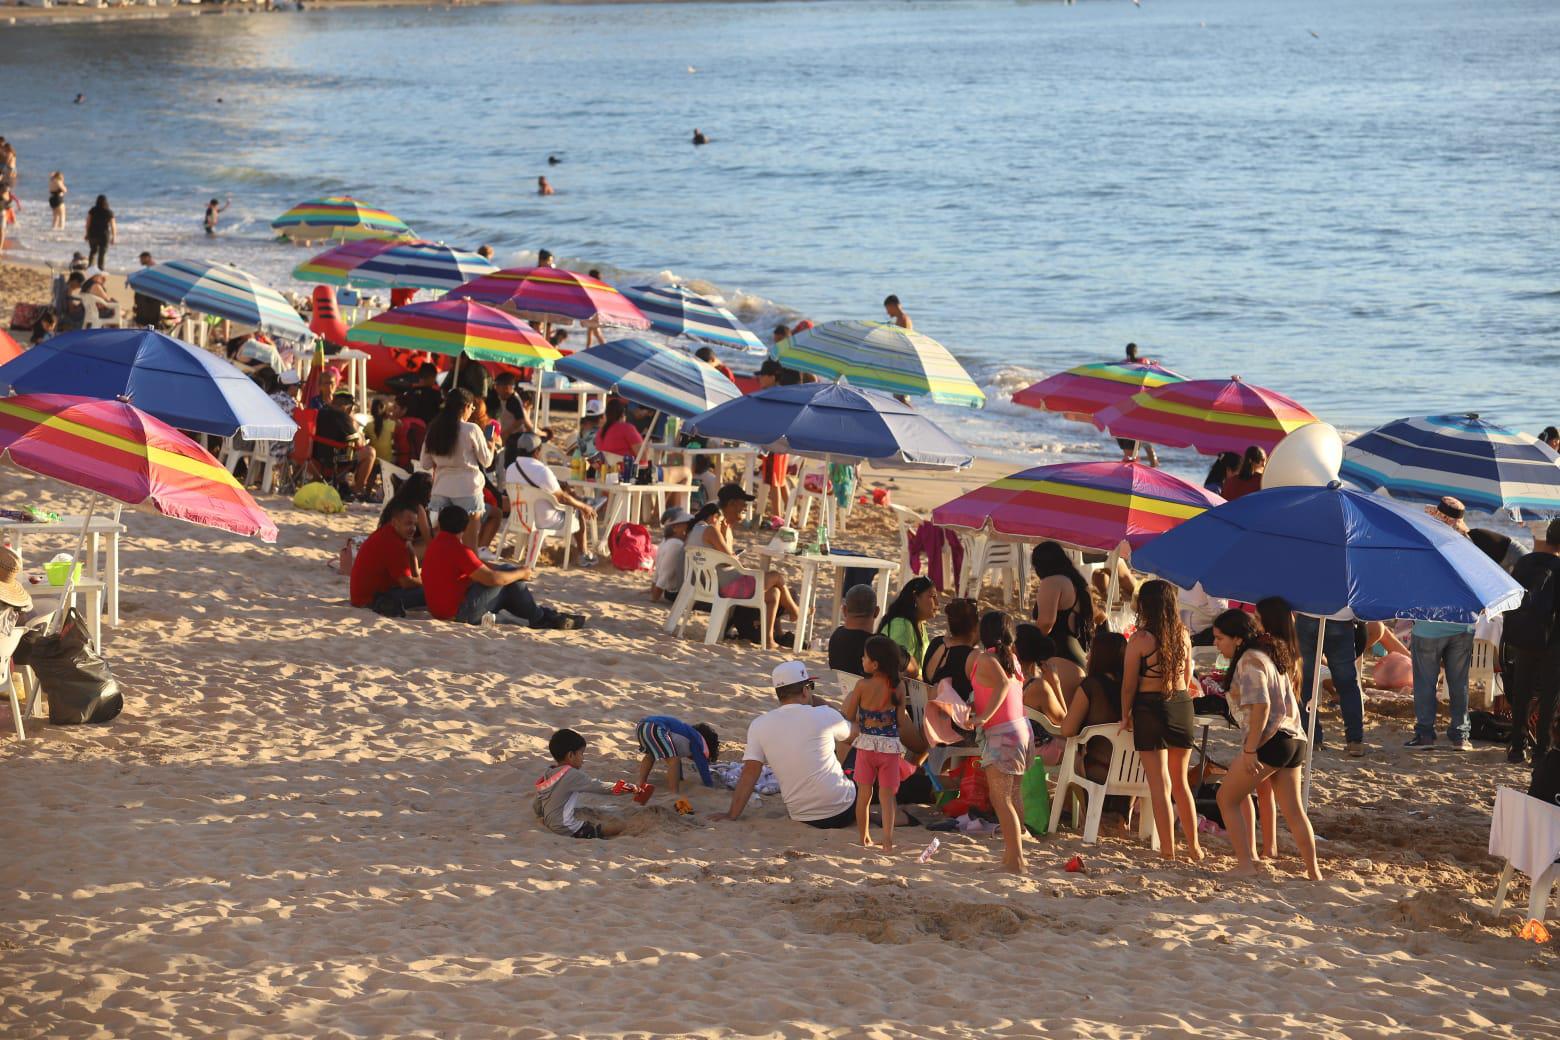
[
  {"x": 698, "y": 137},
  {"x": 543, "y": 188}
]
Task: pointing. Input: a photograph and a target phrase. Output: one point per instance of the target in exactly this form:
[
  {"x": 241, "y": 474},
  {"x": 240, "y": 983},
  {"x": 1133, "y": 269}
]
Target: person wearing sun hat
[
  {"x": 15, "y": 600},
  {"x": 1437, "y": 645}
]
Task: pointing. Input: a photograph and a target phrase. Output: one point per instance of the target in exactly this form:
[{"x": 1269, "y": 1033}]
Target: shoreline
[{"x": 81, "y": 14}]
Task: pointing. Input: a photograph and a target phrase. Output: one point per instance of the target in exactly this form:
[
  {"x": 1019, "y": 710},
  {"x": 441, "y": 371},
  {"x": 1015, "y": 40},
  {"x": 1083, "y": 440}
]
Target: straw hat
[
  {"x": 1450, "y": 512},
  {"x": 12, "y": 592}
]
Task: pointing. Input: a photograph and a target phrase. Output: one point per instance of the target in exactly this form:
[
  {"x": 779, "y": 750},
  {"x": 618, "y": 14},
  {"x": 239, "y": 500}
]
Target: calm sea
[{"x": 1357, "y": 204}]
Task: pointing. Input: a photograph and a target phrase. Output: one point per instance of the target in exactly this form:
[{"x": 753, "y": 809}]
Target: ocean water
[{"x": 1357, "y": 204}]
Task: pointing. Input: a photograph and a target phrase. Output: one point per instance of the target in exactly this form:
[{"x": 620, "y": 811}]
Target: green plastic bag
[
  {"x": 1037, "y": 798},
  {"x": 320, "y": 497}
]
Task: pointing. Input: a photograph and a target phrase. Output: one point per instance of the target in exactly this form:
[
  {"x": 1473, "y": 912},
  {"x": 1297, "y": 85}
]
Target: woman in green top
[{"x": 905, "y": 621}]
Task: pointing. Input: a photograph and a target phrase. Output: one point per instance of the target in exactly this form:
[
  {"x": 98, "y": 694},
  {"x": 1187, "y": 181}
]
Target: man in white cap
[{"x": 800, "y": 742}]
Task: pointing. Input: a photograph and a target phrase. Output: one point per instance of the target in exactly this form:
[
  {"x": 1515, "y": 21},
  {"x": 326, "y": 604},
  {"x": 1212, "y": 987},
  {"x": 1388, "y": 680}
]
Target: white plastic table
[
  {"x": 658, "y": 452},
  {"x": 624, "y": 501},
  {"x": 806, "y": 600},
  {"x": 104, "y": 533},
  {"x": 46, "y": 599}
]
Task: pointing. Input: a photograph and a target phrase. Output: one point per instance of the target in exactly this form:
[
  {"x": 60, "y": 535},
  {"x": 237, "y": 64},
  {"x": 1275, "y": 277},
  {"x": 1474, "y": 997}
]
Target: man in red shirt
[
  {"x": 461, "y": 587},
  {"x": 384, "y": 572}
]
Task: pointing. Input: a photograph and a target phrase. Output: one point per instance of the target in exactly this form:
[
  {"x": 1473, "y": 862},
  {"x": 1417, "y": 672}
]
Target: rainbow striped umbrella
[
  {"x": 377, "y": 264},
  {"x": 116, "y": 450},
  {"x": 678, "y": 311},
  {"x": 339, "y": 217},
  {"x": 880, "y": 356},
  {"x": 224, "y": 291},
  {"x": 1092, "y": 505},
  {"x": 1081, "y": 393},
  {"x": 553, "y": 294},
  {"x": 1210, "y": 415},
  {"x": 456, "y": 327}
]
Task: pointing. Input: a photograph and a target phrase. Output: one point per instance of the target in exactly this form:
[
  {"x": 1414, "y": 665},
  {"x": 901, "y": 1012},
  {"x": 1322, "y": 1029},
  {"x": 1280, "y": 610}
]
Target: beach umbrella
[
  {"x": 339, "y": 217},
  {"x": 675, "y": 310},
  {"x": 1488, "y": 467},
  {"x": 552, "y": 294},
  {"x": 834, "y": 422},
  {"x": 9, "y": 348},
  {"x": 1335, "y": 554},
  {"x": 184, "y": 386},
  {"x": 1210, "y": 415},
  {"x": 881, "y": 356},
  {"x": 455, "y": 328},
  {"x": 224, "y": 291},
  {"x": 1081, "y": 393},
  {"x": 379, "y": 264}
]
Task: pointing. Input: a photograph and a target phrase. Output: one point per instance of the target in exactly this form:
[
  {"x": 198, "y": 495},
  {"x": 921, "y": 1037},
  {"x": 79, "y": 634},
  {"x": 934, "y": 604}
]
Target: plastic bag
[
  {"x": 76, "y": 680},
  {"x": 319, "y": 497},
  {"x": 1037, "y": 797}
]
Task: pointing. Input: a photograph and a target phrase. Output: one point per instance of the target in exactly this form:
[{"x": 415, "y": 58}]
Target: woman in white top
[
  {"x": 1263, "y": 672},
  {"x": 457, "y": 452}
]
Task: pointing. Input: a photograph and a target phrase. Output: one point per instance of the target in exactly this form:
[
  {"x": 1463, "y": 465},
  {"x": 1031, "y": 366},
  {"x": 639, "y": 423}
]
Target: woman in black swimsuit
[
  {"x": 1064, "y": 608},
  {"x": 1157, "y": 708}
]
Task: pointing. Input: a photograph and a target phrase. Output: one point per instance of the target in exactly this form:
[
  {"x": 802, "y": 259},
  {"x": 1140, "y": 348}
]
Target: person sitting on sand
[
  {"x": 876, "y": 710},
  {"x": 415, "y": 492},
  {"x": 847, "y": 643},
  {"x": 676, "y": 522},
  {"x": 663, "y": 738},
  {"x": 384, "y": 571},
  {"x": 461, "y": 587},
  {"x": 1263, "y": 671},
  {"x": 43, "y": 327},
  {"x": 558, "y": 792},
  {"x": 800, "y": 742}
]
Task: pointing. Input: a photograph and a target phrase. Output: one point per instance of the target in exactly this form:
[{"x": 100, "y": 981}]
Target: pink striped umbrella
[
  {"x": 1210, "y": 415},
  {"x": 1092, "y": 505},
  {"x": 1082, "y": 393},
  {"x": 553, "y": 294}
]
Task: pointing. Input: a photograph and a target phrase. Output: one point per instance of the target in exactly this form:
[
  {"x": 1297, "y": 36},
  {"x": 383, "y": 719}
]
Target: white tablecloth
[{"x": 1525, "y": 831}]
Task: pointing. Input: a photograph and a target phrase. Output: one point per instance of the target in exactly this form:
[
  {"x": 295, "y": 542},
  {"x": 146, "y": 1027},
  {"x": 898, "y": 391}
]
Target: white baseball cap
[
  {"x": 595, "y": 406},
  {"x": 790, "y": 673}
]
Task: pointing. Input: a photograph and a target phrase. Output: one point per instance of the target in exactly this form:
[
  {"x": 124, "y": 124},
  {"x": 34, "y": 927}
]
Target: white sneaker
[{"x": 489, "y": 620}]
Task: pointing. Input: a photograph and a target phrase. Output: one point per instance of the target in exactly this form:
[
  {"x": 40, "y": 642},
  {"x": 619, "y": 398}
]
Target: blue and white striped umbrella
[
  {"x": 377, "y": 264},
  {"x": 641, "y": 372},
  {"x": 677, "y": 311},
  {"x": 224, "y": 291},
  {"x": 1489, "y": 467}
]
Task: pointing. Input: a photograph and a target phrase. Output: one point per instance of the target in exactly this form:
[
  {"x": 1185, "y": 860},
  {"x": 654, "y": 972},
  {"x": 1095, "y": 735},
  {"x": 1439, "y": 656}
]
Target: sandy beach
[{"x": 311, "y": 821}]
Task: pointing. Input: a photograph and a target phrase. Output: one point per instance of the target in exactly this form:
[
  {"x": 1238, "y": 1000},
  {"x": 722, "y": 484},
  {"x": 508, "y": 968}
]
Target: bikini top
[{"x": 884, "y": 723}]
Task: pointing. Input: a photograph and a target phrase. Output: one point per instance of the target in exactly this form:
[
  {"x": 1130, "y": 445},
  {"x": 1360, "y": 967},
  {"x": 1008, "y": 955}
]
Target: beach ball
[{"x": 1394, "y": 672}]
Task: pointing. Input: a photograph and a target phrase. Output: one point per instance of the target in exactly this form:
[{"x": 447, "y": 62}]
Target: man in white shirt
[
  {"x": 799, "y": 742},
  {"x": 529, "y": 471}
]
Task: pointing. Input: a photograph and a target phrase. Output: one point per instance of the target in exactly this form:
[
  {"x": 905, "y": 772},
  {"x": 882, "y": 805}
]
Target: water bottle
[{"x": 823, "y": 539}]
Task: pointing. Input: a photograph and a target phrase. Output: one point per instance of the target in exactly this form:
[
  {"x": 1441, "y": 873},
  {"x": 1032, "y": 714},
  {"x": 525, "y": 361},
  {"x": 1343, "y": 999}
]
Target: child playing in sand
[
  {"x": 663, "y": 738},
  {"x": 558, "y": 792},
  {"x": 876, "y": 709}
]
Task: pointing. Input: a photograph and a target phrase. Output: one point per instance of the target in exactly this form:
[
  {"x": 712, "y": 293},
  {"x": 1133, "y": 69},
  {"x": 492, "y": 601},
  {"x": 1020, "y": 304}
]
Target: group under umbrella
[{"x": 455, "y": 328}]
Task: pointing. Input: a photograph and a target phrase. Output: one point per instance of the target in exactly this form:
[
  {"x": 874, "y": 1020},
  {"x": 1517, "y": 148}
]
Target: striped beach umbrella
[
  {"x": 378, "y": 264},
  {"x": 341, "y": 218},
  {"x": 116, "y": 450},
  {"x": 554, "y": 295},
  {"x": 881, "y": 356},
  {"x": 1081, "y": 393},
  {"x": 224, "y": 291},
  {"x": 456, "y": 327},
  {"x": 1210, "y": 415},
  {"x": 639, "y": 371},
  {"x": 1091, "y": 505},
  {"x": 1489, "y": 467},
  {"x": 678, "y": 311}
]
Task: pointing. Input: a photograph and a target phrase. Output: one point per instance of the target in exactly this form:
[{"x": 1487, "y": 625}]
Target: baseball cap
[
  {"x": 733, "y": 493},
  {"x": 289, "y": 377},
  {"x": 792, "y": 673},
  {"x": 676, "y": 515},
  {"x": 595, "y": 406},
  {"x": 527, "y": 443}
]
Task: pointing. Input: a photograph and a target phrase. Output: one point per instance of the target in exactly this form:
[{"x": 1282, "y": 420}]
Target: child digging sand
[
  {"x": 876, "y": 709},
  {"x": 558, "y": 792},
  {"x": 664, "y": 738}
]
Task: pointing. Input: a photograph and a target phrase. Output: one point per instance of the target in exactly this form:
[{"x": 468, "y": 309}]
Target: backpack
[
  {"x": 1530, "y": 626},
  {"x": 631, "y": 547}
]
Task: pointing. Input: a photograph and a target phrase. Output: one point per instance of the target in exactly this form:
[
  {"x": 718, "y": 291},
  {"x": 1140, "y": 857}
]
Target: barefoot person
[
  {"x": 876, "y": 709},
  {"x": 1001, "y": 731},
  {"x": 1263, "y": 671},
  {"x": 1156, "y": 707}
]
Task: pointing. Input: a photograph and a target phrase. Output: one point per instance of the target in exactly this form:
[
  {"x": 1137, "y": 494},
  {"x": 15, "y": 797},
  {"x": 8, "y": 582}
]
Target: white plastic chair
[
  {"x": 1126, "y": 777},
  {"x": 984, "y": 554},
  {"x": 257, "y": 459},
  {"x": 918, "y": 695},
  {"x": 799, "y": 508},
  {"x": 527, "y": 504},
  {"x": 100, "y": 315},
  {"x": 7, "y": 648},
  {"x": 1523, "y": 817},
  {"x": 701, "y": 584},
  {"x": 1481, "y": 672}
]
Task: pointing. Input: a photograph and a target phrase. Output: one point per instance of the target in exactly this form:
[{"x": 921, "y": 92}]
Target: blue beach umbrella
[
  {"x": 185, "y": 387},
  {"x": 1488, "y": 467},
  {"x": 835, "y": 422},
  {"x": 674, "y": 310},
  {"x": 641, "y": 372},
  {"x": 1333, "y": 553},
  {"x": 224, "y": 291}
]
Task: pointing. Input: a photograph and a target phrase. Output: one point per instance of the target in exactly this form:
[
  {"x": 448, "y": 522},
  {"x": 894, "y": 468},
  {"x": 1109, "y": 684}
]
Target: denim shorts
[{"x": 472, "y": 505}]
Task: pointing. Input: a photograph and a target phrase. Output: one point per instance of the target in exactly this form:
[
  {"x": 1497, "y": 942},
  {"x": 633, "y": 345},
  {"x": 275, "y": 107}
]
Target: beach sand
[{"x": 314, "y": 822}]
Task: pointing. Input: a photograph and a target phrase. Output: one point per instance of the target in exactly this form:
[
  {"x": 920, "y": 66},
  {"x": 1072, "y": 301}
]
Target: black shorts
[
  {"x": 1282, "y": 751},
  {"x": 1160, "y": 722},
  {"x": 588, "y": 829},
  {"x": 846, "y": 817}
]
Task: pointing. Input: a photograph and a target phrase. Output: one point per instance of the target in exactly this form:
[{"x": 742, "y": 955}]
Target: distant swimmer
[
  {"x": 80, "y": 98},
  {"x": 212, "y": 209},
  {"x": 698, "y": 136},
  {"x": 1314, "y": 34},
  {"x": 543, "y": 188},
  {"x": 692, "y": 70},
  {"x": 544, "y": 258},
  {"x": 553, "y": 160},
  {"x": 896, "y": 313},
  {"x": 485, "y": 252}
]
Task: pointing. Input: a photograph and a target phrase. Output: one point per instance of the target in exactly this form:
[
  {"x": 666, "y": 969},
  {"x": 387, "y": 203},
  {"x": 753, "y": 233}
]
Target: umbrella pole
[
  {"x": 1316, "y": 703},
  {"x": 1112, "y": 586},
  {"x": 644, "y": 443},
  {"x": 58, "y": 620}
]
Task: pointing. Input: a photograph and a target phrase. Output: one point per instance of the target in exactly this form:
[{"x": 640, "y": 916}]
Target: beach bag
[
  {"x": 1530, "y": 625},
  {"x": 631, "y": 547},
  {"x": 349, "y": 551},
  {"x": 319, "y": 497},
  {"x": 74, "y": 677},
  {"x": 25, "y": 315},
  {"x": 1037, "y": 797}
]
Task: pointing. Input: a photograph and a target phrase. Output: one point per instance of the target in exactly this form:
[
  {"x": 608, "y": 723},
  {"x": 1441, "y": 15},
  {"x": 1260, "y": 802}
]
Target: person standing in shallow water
[
  {"x": 101, "y": 230},
  {"x": 896, "y": 313}
]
